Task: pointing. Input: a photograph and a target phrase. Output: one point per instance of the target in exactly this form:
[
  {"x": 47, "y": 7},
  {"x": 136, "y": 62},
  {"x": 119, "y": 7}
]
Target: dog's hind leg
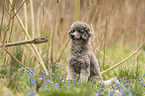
[{"x": 111, "y": 81}]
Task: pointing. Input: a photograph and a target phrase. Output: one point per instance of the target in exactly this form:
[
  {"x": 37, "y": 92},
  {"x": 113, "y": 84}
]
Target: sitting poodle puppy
[{"x": 83, "y": 64}]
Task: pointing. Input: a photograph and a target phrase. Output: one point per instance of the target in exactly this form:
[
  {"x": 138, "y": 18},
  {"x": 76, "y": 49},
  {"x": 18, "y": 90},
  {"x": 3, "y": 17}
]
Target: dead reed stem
[
  {"x": 26, "y": 26},
  {"x": 127, "y": 58},
  {"x": 32, "y": 18},
  {"x": 19, "y": 8},
  {"x": 52, "y": 40},
  {"x": 137, "y": 67},
  {"x": 19, "y": 62},
  {"x": 111, "y": 10},
  {"x": 63, "y": 51},
  {"x": 6, "y": 7},
  {"x": 105, "y": 43},
  {"x": 8, "y": 25},
  {"x": 76, "y": 10},
  {"x": 2, "y": 22},
  {"x": 33, "y": 47},
  {"x": 98, "y": 14},
  {"x": 107, "y": 22},
  {"x": 105, "y": 56}
]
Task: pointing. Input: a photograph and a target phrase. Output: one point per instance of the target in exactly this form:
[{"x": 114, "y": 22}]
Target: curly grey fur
[{"x": 83, "y": 64}]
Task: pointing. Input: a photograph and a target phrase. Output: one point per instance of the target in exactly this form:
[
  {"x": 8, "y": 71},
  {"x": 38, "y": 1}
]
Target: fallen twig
[
  {"x": 124, "y": 59},
  {"x": 34, "y": 41},
  {"x": 19, "y": 61}
]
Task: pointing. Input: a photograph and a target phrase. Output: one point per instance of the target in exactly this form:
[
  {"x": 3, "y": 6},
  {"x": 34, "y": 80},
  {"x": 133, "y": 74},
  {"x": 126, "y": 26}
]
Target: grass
[
  {"x": 54, "y": 24},
  {"x": 55, "y": 84}
]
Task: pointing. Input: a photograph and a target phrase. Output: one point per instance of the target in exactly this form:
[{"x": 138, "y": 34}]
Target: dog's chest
[{"x": 79, "y": 61}]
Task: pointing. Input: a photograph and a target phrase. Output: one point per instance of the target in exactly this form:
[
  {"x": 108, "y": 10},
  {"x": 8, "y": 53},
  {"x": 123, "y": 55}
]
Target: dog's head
[{"x": 80, "y": 30}]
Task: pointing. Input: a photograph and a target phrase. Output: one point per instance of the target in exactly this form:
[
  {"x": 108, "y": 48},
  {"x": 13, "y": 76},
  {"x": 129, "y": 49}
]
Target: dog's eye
[
  {"x": 73, "y": 31},
  {"x": 79, "y": 31}
]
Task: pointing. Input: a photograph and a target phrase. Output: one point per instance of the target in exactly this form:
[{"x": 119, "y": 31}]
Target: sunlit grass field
[{"x": 24, "y": 83}]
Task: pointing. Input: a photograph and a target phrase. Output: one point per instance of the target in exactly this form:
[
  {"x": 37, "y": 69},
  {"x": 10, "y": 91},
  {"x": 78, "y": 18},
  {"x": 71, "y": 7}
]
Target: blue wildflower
[
  {"x": 127, "y": 80},
  {"x": 63, "y": 68},
  {"x": 31, "y": 93},
  {"x": 120, "y": 79},
  {"x": 10, "y": 94},
  {"x": 123, "y": 93},
  {"x": 86, "y": 79},
  {"x": 50, "y": 70},
  {"x": 123, "y": 78},
  {"x": 111, "y": 92},
  {"x": 29, "y": 74},
  {"x": 32, "y": 83},
  {"x": 118, "y": 85},
  {"x": 56, "y": 86},
  {"x": 93, "y": 84},
  {"x": 63, "y": 76},
  {"x": 52, "y": 82},
  {"x": 43, "y": 73},
  {"x": 114, "y": 88},
  {"x": 102, "y": 84},
  {"x": 57, "y": 65},
  {"x": 103, "y": 89},
  {"x": 69, "y": 81},
  {"x": 67, "y": 87},
  {"x": 144, "y": 85},
  {"x": 48, "y": 64},
  {"x": 96, "y": 93},
  {"x": 74, "y": 81},
  {"x": 25, "y": 90},
  {"x": 58, "y": 77},
  {"x": 101, "y": 93},
  {"x": 127, "y": 90}
]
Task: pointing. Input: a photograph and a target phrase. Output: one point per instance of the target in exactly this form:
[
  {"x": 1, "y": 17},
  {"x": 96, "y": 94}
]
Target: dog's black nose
[{"x": 72, "y": 36}]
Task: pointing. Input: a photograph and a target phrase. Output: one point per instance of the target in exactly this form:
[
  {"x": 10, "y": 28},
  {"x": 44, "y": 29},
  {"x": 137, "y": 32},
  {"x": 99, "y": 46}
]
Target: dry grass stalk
[
  {"x": 105, "y": 56},
  {"x": 52, "y": 36},
  {"x": 2, "y": 22},
  {"x": 26, "y": 26},
  {"x": 106, "y": 22},
  {"x": 34, "y": 49},
  {"x": 8, "y": 25},
  {"x": 19, "y": 62},
  {"x": 127, "y": 58},
  {"x": 63, "y": 50},
  {"x": 32, "y": 18},
  {"x": 98, "y": 14},
  {"x": 6, "y": 7},
  {"x": 105, "y": 43},
  {"x": 77, "y": 10},
  {"x": 137, "y": 67},
  {"x": 19, "y": 8}
]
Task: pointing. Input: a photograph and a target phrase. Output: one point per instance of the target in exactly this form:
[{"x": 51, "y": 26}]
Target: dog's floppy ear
[{"x": 86, "y": 35}]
